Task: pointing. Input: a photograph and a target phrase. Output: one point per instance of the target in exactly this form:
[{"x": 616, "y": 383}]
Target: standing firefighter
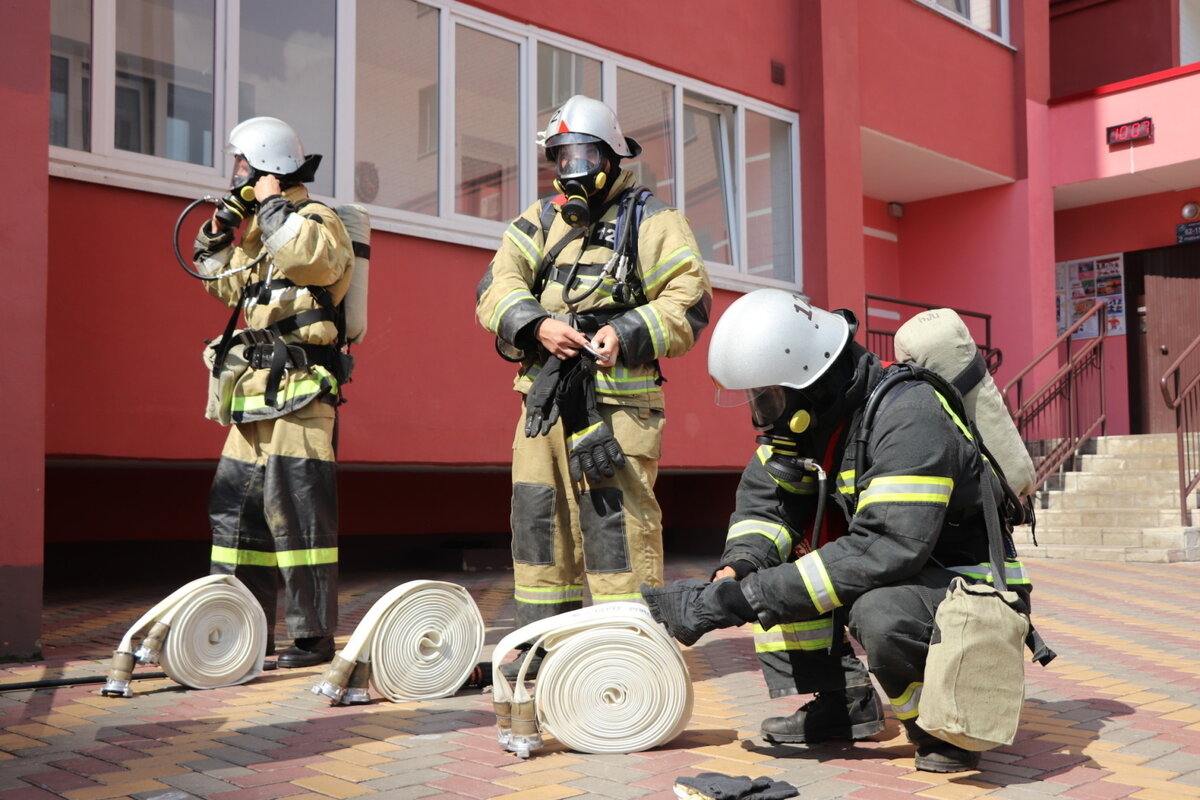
[
  {"x": 588, "y": 291},
  {"x": 273, "y": 504},
  {"x": 904, "y": 523}
]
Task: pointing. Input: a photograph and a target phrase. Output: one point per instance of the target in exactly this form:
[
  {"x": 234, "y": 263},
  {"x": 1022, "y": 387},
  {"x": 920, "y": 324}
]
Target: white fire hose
[
  {"x": 419, "y": 641},
  {"x": 208, "y": 633},
  {"x": 612, "y": 681}
]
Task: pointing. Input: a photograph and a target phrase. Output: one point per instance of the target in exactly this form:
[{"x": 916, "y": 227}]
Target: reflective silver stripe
[
  {"x": 654, "y": 325},
  {"x": 527, "y": 246},
  {"x": 906, "y": 705},
  {"x": 280, "y": 295},
  {"x": 665, "y": 268},
  {"x": 508, "y": 301},
  {"x": 548, "y": 595},
  {"x": 777, "y": 534},
  {"x": 816, "y": 580},
  {"x": 289, "y": 230},
  {"x": 814, "y": 635},
  {"x": 907, "y": 489},
  {"x": 1014, "y": 572},
  {"x": 619, "y": 381},
  {"x": 211, "y": 265}
]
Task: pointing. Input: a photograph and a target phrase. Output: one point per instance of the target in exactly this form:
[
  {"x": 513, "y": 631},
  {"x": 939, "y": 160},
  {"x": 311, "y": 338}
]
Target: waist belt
[
  {"x": 612, "y": 681},
  {"x": 207, "y": 633},
  {"x": 264, "y": 351},
  {"x": 419, "y": 641}
]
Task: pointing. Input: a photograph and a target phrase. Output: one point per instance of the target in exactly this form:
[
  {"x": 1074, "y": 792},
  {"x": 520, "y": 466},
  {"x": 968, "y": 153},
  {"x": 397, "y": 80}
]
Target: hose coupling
[
  {"x": 525, "y": 735},
  {"x": 503, "y": 711},
  {"x": 151, "y": 646},
  {"x": 119, "y": 675},
  {"x": 358, "y": 690},
  {"x": 333, "y": 685}
]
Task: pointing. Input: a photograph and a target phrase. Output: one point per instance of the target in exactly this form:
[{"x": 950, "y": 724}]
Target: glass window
[
  {"x": 287, "y": 71},
  {"x": 707, "y": 196},
  {"x": 396, "y": 105},
  {"x": 561, "y": 74},
  {"x": 486, "y": 125},
  {"x": 769, "y": 204},
  {"x": 982, "y": 14},
  {"x": 70, "y": 73},
  {"x": 164, "y": 78},
  {"x": 646, "y": 110}
]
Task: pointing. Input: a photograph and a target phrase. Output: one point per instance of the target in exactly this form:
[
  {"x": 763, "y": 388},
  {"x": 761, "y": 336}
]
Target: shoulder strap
[{"x": 545, "y": 219}]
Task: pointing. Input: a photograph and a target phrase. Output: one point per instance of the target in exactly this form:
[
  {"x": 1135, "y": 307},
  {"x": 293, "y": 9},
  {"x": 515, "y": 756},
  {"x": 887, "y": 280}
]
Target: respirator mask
[
  {"x": 782, "y": 416},
  {"x": 240, "y": 202},
  {"x": 580, "y": 170}
]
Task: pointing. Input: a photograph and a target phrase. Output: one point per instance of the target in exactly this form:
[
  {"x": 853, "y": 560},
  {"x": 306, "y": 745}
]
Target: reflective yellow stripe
[
  {"x": 548, "y": 595},
  {"x": 619, "y": 381},
  {"x": 254, "y": 558},
  {"x": 958, "y": 422},
  {"x": 907, "y": 489},
  {"x": 526, "y": 245},
  {"x": 613, "y": 598},
  {"x": 777, "y": 534},
  {"x": 667, "y": 265},
  {"x": 907, "y": 705},
  {"x": 846, "y": 481},
  {"x": 308, "y": 558},
  {"x": 655, "y": 327},
  {"x": 507, "y": 302},
  {"x": 808, "y": 484},
  {"x": 1014, "y": 572},
  {"x": 816, "y": 580},
  {"x": 575, "y": 437},
  {"x": 807, "y": 636},
  {"x": 294, "y": 389}
]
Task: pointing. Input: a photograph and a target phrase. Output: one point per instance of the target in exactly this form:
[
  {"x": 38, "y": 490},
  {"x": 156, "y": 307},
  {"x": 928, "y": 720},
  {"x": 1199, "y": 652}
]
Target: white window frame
[
  {"x": 105, "y": 164},
  {"x": 1002, "y": 37}
]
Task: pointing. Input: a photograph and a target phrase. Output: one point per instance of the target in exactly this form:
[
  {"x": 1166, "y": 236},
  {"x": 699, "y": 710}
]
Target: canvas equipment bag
[
  {"x": 975, "y": 673},
  {"x": 221, "y": 382}
]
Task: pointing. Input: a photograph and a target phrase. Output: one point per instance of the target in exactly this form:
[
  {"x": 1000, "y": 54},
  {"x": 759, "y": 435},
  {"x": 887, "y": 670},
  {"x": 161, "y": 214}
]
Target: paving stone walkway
[{"x": 1117, "y": 715}]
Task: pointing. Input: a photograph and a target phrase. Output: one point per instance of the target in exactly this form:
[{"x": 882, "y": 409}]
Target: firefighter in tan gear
[
  {"x": 273, "y": 504},
  {"x": 588, "y": 291}
]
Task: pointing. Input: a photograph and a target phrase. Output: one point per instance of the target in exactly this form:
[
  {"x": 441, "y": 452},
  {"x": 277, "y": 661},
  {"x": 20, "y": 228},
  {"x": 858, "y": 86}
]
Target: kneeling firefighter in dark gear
[
  {"x": 902, "y": 525},
  {"x": 273, "y": 504},
  {"x": 587, "y": 292}
]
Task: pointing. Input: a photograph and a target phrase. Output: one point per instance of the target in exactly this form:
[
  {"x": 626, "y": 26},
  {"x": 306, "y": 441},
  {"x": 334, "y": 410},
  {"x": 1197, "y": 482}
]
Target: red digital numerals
[{"x": 1131, "y": 131}]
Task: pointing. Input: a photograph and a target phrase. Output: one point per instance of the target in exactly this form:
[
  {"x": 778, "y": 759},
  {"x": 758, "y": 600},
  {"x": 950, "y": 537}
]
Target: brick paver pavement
[{"x": 1117, "y": 715}]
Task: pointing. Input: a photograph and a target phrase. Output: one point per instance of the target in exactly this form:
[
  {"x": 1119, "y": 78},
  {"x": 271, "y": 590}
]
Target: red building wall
[{"x": 1096, "y": 43}]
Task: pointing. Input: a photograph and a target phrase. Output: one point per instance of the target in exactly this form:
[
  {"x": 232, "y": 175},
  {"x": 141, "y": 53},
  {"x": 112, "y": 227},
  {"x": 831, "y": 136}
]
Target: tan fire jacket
[
  {"x": 307, "y": 272},
  {"x": 664, "y": 318}
]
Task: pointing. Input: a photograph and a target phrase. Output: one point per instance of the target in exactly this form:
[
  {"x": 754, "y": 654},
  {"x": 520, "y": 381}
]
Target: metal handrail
[
  {"x": 877, "y": 336},
  {"x": 1058, "y": 404},
  {"x": 1185, "y": 402}
]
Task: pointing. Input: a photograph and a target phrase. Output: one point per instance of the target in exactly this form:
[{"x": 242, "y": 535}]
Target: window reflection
[
  {"x": 485, "y": 116},
  {"x": 708, "y": 199},
  {"x": 646, "y": 111},
  {"x": 561, "y": 74},
  {"x": 769, "y": 205},
  {"x": 70, "y": 73}
]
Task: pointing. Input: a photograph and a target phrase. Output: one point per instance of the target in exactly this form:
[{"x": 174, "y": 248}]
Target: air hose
[
  {"x": 179, "y": 253},
  {"x": 612, "y": 681},
  {"x": 419, "y": 641},
  {"x": 208, "y": 633}
]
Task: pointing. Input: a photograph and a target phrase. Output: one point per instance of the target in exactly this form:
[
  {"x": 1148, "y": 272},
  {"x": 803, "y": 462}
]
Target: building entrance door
[{"x": 1165, "y": 320}]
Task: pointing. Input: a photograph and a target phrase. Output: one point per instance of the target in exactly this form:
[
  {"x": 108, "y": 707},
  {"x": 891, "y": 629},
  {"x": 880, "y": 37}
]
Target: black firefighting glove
[
  {"x": 716, "y": 786},
  {"x": 591, "y": 448},
  {"x": 541, "y": 404}
]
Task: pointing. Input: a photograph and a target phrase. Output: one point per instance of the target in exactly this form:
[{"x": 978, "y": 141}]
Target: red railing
[
  {"x": 881, "y": 337},
  {"x": 1184, "y": 399},
  {"x": 1057, "y": 419}
]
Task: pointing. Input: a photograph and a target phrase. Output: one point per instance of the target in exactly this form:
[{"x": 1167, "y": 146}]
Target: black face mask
[
  {"x": 793, "y": 416},
  {"x": 583, "y": 173}
]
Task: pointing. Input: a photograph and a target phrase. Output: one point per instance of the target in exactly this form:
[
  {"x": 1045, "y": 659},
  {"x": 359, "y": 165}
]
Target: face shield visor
[
  {"x": 767, "y": 403},
  {"x": 578, "y": 160}
]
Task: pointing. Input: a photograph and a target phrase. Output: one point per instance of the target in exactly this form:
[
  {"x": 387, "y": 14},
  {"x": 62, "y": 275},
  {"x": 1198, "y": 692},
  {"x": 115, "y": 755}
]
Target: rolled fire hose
[
  {"x": 612, "y": 681},
  {"x": 419, "y": 641},
  {"x": 208, "y": 633}
]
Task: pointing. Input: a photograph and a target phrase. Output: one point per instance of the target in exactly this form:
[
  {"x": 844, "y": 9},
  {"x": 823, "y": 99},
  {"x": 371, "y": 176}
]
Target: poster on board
[{"x": 1079, "y": 283}]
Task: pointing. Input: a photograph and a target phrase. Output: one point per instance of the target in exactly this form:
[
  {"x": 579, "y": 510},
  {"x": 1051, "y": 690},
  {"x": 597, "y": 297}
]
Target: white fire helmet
[
  {"x": 268, "y": 144},
  {"x": 582, "y": 119},
  {"x": 770, "y": 337}
]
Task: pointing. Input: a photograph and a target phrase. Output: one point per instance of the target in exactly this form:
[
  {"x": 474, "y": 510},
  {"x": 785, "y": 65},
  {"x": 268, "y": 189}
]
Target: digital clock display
[{"x": 1130, "y": 131}]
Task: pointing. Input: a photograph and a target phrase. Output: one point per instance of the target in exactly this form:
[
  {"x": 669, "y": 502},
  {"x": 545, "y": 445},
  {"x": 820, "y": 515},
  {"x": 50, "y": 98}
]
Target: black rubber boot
[
  {"x": 853, "y": 714},
  {"x": 691, "y": 608},
  {"x": 307, "y": 652},
  {"x": 511, "y": 669},
  {"x": 935, "y": 755}
]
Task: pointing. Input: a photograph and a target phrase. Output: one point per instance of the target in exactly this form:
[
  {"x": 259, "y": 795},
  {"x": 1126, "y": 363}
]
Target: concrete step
[
  {"x": 1149, "y": 499},
  {"x": 1144, "y": 443},
  {"x": 1131, "y": 554},
  {"x": 1112, "y": 518},
  {"x": 1129, "y": 462},
  {"x": 1177, "y": 538},
  {"x": 1114, "y": 481}
]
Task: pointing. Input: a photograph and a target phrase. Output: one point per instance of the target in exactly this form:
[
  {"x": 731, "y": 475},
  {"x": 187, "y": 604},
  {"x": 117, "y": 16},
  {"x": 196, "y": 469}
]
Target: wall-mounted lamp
[
  {"x": 896, "y": 210},
  {"x": 1190, "y": 210}
]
